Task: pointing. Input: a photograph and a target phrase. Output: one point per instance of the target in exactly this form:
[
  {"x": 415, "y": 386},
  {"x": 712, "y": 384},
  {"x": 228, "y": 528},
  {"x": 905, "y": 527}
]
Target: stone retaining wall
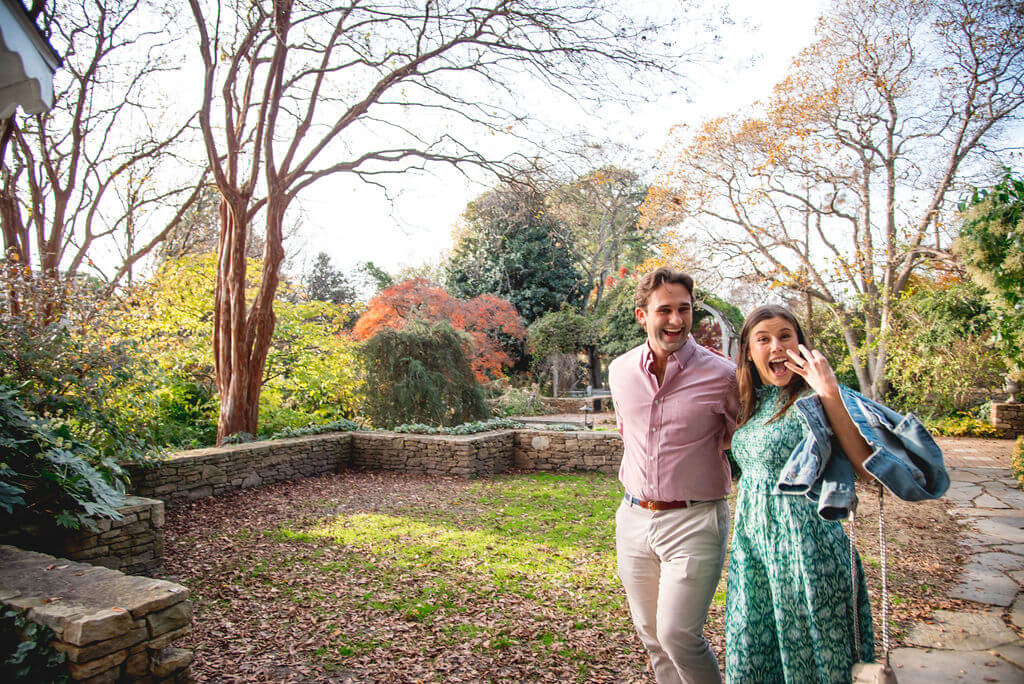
[
  {"x": 134, "y": 544},
  {"x": 199, "y": 473},
  {"x": 568, "y": 451},
  {"x": 484, "y": 453},
  {"x": 1008, "y": 419},
  {"x": 113, "y": 627}
]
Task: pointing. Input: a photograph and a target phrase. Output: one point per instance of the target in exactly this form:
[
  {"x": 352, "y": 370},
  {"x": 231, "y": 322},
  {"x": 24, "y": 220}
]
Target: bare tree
[
  {"x": 837, "y": 189},
  {"x": 600, "y": 211},
  {"x": 95, "y": 172},
  {"x": 301, "y": 91}
]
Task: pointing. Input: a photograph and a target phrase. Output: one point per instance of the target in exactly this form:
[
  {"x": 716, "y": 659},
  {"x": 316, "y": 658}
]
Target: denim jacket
[{"x": 904, "y": 458}]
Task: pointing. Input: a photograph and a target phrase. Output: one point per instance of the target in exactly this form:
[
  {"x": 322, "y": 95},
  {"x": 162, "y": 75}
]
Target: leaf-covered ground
[{"x": 392, "y": 577}]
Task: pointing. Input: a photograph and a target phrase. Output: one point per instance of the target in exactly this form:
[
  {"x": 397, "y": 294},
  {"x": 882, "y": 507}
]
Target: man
[{"x": 676, "y": 404}]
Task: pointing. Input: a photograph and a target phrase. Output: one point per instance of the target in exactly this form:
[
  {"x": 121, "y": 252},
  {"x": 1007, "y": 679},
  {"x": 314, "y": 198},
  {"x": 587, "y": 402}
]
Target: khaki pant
[{"x": 670, "y": 563}]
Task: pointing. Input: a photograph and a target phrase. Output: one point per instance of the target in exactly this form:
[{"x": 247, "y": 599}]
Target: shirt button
[{"x": 654, "y": 429}]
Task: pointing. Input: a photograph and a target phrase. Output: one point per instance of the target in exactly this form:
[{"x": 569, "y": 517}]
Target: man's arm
[
  {"x": 731, "y": 408},
  {"x": 615, "y": 404}
]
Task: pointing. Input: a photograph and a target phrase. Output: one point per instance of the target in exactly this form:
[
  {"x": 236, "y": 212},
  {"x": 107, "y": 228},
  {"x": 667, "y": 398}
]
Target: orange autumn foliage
[{"x": 482, "y": 318}]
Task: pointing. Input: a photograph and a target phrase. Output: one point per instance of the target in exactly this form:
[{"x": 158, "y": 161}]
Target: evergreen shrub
[{"x": 420, "y": 374}]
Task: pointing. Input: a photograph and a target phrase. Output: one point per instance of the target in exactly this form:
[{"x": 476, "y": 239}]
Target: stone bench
[{"x": 112, "y": 627}]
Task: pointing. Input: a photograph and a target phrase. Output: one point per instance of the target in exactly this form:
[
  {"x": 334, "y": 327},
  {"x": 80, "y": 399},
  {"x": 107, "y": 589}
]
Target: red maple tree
[{"x": 484, "y": 318}]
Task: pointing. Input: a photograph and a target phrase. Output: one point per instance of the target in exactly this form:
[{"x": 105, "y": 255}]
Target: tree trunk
[
  {"x": 241, "y": 342},
  {"x": 594, "y": 358},
  {"x": 861, "y": 364},
  {"x": 229, "y": 323},
  {"x": 17, "y": 247}
]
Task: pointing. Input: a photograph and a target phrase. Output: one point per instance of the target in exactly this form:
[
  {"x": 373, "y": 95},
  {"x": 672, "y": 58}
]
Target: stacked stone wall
[
  {"x": 134, "y": 544},
  {"x": 111, "y": 626},
  {"x": 199, "y": 473},
  {"x": 568, "y": 451},
  {"x": 484, "y": 453},
  {"x": 1008, "y": 419}
]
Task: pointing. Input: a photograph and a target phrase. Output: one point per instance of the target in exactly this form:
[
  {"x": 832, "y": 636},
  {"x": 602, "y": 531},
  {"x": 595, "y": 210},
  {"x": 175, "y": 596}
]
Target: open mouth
[
  {"x": 778, "y": 367},
  {"x": 672, "y": 334}
]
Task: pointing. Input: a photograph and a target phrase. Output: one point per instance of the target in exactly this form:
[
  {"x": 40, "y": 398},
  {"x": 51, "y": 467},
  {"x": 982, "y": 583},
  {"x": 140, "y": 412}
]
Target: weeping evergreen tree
[{"x": 421, "y": 374}]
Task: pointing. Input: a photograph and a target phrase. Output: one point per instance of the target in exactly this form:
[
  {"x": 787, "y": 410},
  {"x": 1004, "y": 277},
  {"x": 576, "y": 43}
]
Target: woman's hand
[{"x": 813, "y": 367}]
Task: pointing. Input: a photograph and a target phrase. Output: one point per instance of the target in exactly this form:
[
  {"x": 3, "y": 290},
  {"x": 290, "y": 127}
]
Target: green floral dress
[{"x": 789, "y": 615}]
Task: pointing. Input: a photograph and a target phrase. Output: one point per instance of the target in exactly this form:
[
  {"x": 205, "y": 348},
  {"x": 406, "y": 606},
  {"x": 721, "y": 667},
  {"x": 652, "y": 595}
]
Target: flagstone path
[{"x": 982, "y": 644}]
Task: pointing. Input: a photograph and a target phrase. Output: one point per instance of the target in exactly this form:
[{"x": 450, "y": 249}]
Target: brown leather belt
[{"x": 658, "y": 505}]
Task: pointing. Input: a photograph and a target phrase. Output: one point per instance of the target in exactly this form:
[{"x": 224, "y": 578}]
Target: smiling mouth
[{"x": 778, "y": 368}]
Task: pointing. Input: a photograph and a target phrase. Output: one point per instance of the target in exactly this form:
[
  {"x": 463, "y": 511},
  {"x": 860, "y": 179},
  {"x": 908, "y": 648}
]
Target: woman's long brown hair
[{"x": 747, "y": 376}]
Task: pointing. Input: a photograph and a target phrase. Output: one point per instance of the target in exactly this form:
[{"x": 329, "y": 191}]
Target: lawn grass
[
  {"x": 512, "y": 534},
  {"x": 538, "y": 538}
]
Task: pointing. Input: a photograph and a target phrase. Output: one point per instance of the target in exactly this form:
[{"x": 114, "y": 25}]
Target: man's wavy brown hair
[
  {"x": 747, "y": 376},
  {"x": 655, "y": 279}
]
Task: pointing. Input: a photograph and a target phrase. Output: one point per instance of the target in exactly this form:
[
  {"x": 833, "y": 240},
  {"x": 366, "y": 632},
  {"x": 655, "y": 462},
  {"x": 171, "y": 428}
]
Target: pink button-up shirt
[{"x": 674, "y": 436}]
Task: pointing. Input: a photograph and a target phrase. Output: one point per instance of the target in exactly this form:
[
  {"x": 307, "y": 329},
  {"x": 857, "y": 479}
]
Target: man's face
[{"x": 667, "y": 318}]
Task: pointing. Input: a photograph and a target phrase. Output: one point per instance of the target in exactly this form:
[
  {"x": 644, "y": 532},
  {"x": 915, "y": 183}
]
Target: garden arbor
[{"x": 730, "y": 336}]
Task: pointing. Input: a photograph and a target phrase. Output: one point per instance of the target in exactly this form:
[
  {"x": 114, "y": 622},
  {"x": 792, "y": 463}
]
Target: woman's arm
[{"x": 814, "y": 368}]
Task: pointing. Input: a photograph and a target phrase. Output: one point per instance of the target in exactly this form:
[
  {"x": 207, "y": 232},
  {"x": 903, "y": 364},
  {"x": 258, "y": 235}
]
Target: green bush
[
  {"x": 464, "y": 429},
  {"x": 562, "y": 332},
  {"x": 1017, "y": 461},
  {"x": 57, "y": 347},
  {"x": 938, "y": 348},
  {"x": 343, "y": 425},
  {"x": 990, "y": 247},
  {"x": 45, "y": 472},
  {"x": 27, "y": 651},
  {"x": 619, "y": 331},
  {"x": 516, "y": 401},
  {"x": 420, "y": 374},
  {"x": 961, "y": 425},
  {"x": 185, "y": 413}
]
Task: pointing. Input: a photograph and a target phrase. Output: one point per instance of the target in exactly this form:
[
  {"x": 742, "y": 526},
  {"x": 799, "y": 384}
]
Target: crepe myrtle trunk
[{"x": 241, "y": 340}]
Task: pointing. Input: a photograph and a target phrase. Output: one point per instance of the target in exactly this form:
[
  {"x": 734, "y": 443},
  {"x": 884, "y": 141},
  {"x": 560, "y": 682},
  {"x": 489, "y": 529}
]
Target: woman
[{"x": 789, "y": 613}]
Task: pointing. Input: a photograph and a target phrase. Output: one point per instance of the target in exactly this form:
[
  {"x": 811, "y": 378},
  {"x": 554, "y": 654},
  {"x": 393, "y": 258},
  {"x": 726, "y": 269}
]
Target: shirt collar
[{"x": 681, "y": 355}]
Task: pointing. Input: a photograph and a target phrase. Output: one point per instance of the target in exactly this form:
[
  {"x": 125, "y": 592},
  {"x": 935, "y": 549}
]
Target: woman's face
[{"x": 769, "y": 341}]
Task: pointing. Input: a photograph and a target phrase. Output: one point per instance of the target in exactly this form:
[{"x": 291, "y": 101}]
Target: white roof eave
[{"x": 27, "y": 63}]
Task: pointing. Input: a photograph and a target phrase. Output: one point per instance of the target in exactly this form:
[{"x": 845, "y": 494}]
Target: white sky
[{"x": 354, "y": 222}]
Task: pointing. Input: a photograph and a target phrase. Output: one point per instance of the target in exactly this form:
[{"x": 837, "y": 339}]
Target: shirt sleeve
[
  {"x": 615, "y": 404},
  {"x": 731, "y": 411}
]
